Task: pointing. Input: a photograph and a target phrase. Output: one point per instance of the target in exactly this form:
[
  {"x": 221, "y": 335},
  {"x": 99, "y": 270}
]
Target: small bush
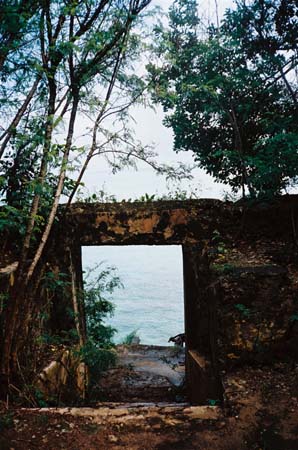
[
  {"x": 130, "y": 338},
  {"x": 99, "y": 351}
]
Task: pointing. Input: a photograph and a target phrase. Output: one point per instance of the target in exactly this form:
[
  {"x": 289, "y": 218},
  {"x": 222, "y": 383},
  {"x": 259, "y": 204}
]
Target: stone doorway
[
  {"x": 189, "y": 224},
  {"x": 149, "y": 310}
]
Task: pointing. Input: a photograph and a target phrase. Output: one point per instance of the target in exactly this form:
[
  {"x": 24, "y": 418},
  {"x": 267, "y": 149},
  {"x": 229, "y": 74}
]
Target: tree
[
  {"x": 59, "y": 61},
  {"x": 226, "y": 100},
  {"x": 267, "y": 30}
]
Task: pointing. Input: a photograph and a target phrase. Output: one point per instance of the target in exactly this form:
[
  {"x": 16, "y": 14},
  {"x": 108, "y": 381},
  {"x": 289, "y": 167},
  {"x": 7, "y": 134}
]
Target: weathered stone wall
[
  {"x": 178, "y": 222},
  {"x": 158, "y": 223},
  {"x": 259, "y": 303},
  {"x": 249, "y": 253}
]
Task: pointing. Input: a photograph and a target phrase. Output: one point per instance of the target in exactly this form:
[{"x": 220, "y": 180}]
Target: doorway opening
[{"x": 149, "y": 311}]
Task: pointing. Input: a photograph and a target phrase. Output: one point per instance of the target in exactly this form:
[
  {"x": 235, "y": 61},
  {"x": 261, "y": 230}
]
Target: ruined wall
[
  {"x": 155, "y": 223},
  {"x": 178, "y": 222},
  {"x": 259, "y": 303},
  {"x": 251, "y": 250}
]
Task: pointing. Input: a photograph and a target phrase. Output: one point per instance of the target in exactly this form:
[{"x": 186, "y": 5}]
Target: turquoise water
[{"x": 152, "y": 299}]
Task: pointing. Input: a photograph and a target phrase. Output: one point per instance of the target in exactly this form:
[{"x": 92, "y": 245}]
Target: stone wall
[
  {"x": 178, "y": 222},
  {"x": 259, "y": 302},
  {"x": 240, "y": 274},
  {"x": 156, "y": 223},
  {"x": 251, "y": 250},
  {"x": 248, "y": 252}
]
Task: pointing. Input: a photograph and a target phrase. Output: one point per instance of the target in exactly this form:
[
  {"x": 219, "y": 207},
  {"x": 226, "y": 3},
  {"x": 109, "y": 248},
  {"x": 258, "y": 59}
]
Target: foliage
[
  {"x": 224, "y": 269},
  {"x": 217, "y": 250},
  {"x": 246, "y": 312},
  {"x": 98, "y": 358},
  {"x": 177, "y": 193},
  {"x": 129, "y": 339},
  {"x": 213, "y": 402},
  {"x": 39, "y": 397},
  {"x": 294, "y": 318},
  {"x": 173, "y": 193},
  {"x": 62, "y": 50},
  {"x": 12, "y": 219},
  {"x": 54, "y": 281},
  {"x": 265, "y": 27},
  {"x": 227, "y": 97},
  {"x": 98, "y": 352},
  {"x": 6, "y": 421},
  {"x": 146, "y": 198},
  {"x": 99, "y": 196}
]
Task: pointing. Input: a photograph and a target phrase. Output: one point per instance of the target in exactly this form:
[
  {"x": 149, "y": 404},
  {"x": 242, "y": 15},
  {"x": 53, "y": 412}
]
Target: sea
[{"x": 150, "y": 303}]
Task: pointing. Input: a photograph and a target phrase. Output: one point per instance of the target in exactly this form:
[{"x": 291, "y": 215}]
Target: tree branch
[{"x": 12, "y": 127}]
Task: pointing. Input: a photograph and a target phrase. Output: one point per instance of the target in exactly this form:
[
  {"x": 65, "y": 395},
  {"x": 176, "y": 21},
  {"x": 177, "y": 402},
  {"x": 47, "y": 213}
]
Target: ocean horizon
[{"x": 151, "y": 300}]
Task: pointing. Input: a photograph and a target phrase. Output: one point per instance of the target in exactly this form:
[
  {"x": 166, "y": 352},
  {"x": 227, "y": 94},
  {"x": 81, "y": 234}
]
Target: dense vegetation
[{"x": 229, "y": 91}]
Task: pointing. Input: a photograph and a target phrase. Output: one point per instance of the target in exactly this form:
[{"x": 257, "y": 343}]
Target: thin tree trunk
[
  {"x": 24, "y": 320},
  {"x": 76, "y": 304},
  {"x": 59, "y": 189},
  {"x": 42, "y": 175},
  {"x": 12, "y": 127},
  {"x": 239, "y": 148},
  {"x": 11, "y": 314}
]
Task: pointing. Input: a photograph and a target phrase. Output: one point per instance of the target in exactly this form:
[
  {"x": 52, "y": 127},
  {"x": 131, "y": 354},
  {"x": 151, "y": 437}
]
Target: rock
[
  {"x": 113, "y": 438},
  {"x": 55, "y": 376}
]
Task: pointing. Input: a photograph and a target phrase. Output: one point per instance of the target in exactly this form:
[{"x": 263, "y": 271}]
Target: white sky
[{"x": 149, "y": 129}]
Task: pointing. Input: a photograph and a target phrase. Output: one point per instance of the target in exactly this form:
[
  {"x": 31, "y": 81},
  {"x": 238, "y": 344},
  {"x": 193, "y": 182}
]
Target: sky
[{"x": 150, "y": 130}]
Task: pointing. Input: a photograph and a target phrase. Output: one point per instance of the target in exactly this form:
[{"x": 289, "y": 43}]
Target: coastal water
[{"x": 151, "y": 302}]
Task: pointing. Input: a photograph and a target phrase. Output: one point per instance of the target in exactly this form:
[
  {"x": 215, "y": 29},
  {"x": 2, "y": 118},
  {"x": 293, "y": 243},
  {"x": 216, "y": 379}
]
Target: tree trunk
[
  {"x": 59, "y": 189},
  {"x": 12, "y": 313}
]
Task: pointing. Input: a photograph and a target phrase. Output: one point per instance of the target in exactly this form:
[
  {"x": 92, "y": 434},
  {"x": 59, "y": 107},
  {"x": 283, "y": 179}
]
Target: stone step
[
  {"x": 133, "y": 405},
  {"x": 136, "y": 413}
]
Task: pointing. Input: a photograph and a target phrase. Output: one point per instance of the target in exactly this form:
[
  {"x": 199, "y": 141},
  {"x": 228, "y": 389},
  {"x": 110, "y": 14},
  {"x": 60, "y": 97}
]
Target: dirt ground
[{"x": 260, "y": 413}]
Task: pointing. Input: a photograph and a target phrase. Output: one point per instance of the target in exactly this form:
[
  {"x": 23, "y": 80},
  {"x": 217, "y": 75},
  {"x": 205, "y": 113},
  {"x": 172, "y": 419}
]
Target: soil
[{"x": 260, "y": 413}]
